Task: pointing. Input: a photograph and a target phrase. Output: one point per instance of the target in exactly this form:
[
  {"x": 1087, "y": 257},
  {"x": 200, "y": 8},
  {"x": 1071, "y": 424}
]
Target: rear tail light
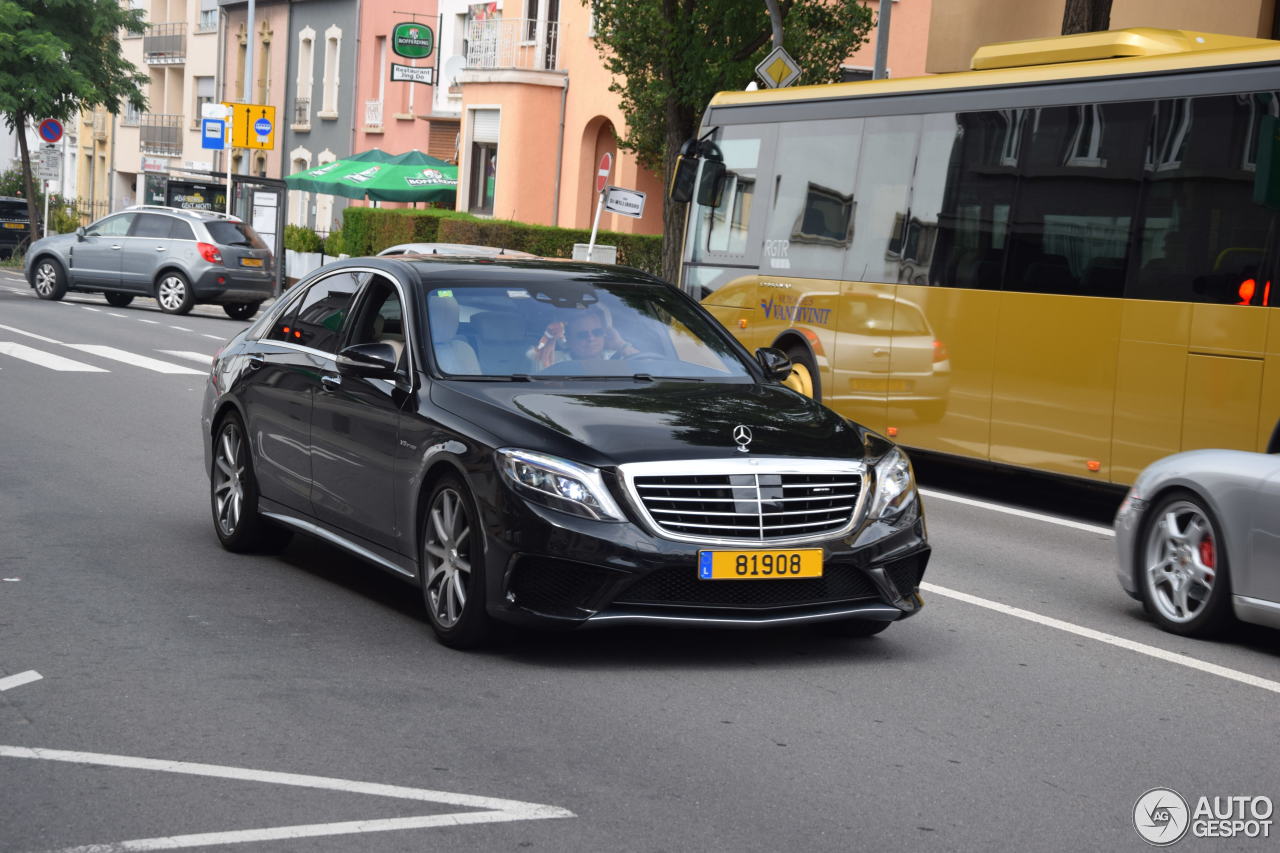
[
  {"x": 940, "y": 352},
  {"x": 209, "y": 252}
]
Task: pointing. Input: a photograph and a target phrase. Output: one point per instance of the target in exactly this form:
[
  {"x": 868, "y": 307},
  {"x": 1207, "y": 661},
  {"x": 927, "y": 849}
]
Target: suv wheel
[
  {"x": 173, "y": 292},
  {"x": 241, "y": 310},
  {"x": 49, "y": 279},
  {"x": 118, "y": 300}
]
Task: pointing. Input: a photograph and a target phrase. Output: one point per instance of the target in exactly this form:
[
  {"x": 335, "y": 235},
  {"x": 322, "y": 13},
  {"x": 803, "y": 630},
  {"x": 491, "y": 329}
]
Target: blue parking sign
[
  {"x": 213, "y": 134},
  {"x": 262, "y": 127}
]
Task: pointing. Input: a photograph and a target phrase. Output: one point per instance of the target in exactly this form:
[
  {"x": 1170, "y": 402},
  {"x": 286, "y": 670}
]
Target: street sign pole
[{"x": 602, "y": 178}]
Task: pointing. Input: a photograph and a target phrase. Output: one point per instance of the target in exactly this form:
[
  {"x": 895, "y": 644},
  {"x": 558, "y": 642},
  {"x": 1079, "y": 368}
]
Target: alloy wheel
[
  {"x": 447, "y": 558},
  {"x": 228, "y": 479},
  {"x": 1181, "y": 562},
  {"x": 172, "y": 293},
  {"x": 46, "y": 279}
]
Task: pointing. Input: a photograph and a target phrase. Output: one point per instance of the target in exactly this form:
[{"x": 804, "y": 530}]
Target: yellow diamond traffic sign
[{"x": 778, "y": 70}]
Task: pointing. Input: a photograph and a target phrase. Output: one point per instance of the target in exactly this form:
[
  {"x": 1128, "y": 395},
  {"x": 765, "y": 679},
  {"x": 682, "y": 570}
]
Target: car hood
[{"x": 661, "y": 420}]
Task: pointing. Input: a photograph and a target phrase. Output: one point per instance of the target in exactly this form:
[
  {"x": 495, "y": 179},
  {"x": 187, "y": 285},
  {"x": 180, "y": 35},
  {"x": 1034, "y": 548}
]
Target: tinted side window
[
  {"x": 1204, "y": 238},
  {"x": 112, "y": 226},
  {"x": 181, "y": 230},
  {"x": 323, "y": 310},
  {"x": 11, "y": 211},
  {"x": 151, "y": 225},
  {"x": 883, "y": 198}
]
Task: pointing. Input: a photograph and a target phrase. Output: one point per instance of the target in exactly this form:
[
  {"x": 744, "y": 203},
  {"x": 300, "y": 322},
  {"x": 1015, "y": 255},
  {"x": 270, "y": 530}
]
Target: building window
[
  {"x": 208, "y": 21},
  {"x": 484, "y": 173},
  {"x": 306, "y": 74},
  {"x": 204, "y": 95},
  {"x": 332, "y": 73}
]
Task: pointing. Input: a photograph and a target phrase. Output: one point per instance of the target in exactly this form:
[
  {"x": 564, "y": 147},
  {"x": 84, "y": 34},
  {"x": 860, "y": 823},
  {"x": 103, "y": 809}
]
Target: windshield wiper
[{"x": 649, "y": 377}]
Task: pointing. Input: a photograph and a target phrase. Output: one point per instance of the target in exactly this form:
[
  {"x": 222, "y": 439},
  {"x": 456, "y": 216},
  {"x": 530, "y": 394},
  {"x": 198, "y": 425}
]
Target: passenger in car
[{"x": 453, "y": 354}]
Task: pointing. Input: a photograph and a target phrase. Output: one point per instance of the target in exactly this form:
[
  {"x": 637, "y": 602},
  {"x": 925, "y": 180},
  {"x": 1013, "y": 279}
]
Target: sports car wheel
[
  {"x": 173, "y": 292},
  {"x": 452, "y": 566},
  {"x": 233, "y": 494},
  {"x": 49, "y": 279},
  {"x": 1183, "y": 568}
]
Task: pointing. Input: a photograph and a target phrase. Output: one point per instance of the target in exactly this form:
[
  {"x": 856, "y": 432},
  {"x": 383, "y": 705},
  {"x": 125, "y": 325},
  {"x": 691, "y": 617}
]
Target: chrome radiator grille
[{"x": 749, "y": 501}]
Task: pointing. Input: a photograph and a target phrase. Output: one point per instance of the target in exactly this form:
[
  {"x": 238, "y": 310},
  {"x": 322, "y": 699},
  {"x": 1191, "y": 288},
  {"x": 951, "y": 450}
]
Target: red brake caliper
[{"x": 1206, "y": 554}]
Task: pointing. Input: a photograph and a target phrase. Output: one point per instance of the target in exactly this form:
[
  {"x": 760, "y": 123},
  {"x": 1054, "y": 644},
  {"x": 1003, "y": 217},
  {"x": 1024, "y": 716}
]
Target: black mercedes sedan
[{"x": 554, "y": 443}]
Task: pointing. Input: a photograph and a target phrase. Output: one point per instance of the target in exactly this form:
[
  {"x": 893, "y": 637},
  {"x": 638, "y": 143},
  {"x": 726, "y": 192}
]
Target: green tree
[
  {"x": 58, "y": 57},
  {"x": 668, "y": 58},
  {"x": 1085, "y": 16}
]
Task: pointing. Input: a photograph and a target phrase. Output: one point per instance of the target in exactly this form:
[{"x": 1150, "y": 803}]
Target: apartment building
[
  {"x": 180, "y": 52},
  {"x": 318, "y": 116}
]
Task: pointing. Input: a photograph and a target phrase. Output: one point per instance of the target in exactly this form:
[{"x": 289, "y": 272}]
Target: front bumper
[{"x": 553, "y": 569}]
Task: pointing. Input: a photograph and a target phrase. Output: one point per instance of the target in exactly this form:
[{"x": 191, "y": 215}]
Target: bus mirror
[
  {"x": 711, "y": 183},
  {"x": 682, "y": 179}
]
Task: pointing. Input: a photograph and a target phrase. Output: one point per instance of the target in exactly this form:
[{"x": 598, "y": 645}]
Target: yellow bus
[{"x": 1061, "y": 260}]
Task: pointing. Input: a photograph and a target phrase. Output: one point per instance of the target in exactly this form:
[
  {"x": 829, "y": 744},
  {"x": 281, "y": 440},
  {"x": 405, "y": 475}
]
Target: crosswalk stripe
[
  {"x": 30, "y": 335},
  {"x": 47, "y": 359},
  {"x": 202, "y": 357},
  {"x": 136, "y": 360}
]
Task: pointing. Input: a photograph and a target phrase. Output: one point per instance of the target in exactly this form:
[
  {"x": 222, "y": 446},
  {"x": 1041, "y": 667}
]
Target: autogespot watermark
[{"x": 1162, "y": 817}]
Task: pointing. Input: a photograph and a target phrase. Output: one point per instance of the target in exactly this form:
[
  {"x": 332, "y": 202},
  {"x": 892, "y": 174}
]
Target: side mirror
[
  {"x": 376, "y": 360},
  {"x": 80, "y": 233},
  {"x": 711, "y": 183},
  {"x": 776, "y": 364},
  {"x": 682, "y": 179}
]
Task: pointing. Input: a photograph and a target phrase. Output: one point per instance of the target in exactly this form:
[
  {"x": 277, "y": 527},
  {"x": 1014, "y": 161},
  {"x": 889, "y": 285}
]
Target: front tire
[
  {"x": 241, "y": 310},
  {"x": 233, "y": 494},
  {"x": 173, "y": 292},
  {"x": 118, "y": 300},
  {"x": 49, "y": 279},
  {"x": 452, "y": 566},
  {"x": 1182, "y": 568}
]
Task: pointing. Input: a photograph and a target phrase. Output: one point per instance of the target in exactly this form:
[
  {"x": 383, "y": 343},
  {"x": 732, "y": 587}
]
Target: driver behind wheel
[{"x": 585, "y": 336}]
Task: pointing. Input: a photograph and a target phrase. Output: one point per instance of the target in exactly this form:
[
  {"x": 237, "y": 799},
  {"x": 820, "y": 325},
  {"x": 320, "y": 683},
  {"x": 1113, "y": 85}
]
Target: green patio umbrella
[{"x": 379, "y": 176}]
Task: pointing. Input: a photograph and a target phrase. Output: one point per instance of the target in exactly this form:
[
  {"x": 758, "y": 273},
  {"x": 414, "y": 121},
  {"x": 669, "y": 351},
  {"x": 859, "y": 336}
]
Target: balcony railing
[
  {"x": 161, "y": 134},
  {"x": 165, "y": 44},
  {"x": 302, "y": 112},
  {"x": 373, "y": 113},
  {"x": 522, "y": 43}
]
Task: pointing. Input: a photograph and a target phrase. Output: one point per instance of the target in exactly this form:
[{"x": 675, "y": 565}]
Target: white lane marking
[
  {"x": 136, "y": 360},
  {"x": 47, "y": 359},
  {"x": 202, "y": 357},
  {"x": 30, "y": 335},
  {"x": 215, "y": 337},
  {"x": 182, "y": 328},
  {"x": 20, "y": 679},
  {"x": 1109, "y": 639},
  {"x": 1021, "y": 513},
  {"x": 114, "y": 314},
  {"x": 152, "y": 322},
  {"x": 494, "y": 810},
  {"x": 91, "y": 308}
]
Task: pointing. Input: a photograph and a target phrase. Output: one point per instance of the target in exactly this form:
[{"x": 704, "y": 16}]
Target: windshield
[
  {"x": 577, "y": 328},
  {"x": 234, "y": 234}
]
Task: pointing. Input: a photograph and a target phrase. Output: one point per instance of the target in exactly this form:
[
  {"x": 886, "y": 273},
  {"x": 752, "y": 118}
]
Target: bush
[
  {"x": 369, "y": 230},
  {"x": 300, "y": 238},
  {"x": 334, "y": 244}
]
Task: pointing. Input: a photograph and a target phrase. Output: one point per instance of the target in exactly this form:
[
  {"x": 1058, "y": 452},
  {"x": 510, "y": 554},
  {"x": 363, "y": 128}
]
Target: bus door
[{"x": 725, "y": 243}]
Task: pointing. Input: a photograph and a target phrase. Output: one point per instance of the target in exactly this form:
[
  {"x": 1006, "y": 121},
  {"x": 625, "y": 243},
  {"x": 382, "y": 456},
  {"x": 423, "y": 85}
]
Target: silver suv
[{"x": 180, "y": 257}]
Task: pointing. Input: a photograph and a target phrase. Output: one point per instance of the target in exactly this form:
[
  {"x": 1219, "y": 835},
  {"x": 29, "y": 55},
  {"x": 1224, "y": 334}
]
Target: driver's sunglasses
[{"x": 587, "y": 334}]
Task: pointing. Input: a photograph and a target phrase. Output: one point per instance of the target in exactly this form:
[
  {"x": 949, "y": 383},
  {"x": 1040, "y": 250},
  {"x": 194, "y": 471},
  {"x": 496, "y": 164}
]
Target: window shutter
[{"x": 484, "y": 125}]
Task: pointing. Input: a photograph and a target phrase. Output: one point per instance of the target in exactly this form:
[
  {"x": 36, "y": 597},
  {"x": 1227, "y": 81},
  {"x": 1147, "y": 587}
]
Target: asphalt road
[{"x": 154, "y": 686}]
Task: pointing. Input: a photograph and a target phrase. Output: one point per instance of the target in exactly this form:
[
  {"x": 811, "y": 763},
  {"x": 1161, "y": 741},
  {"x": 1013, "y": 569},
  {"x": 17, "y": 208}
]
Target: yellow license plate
[
  {"x": 17, "y": 226},
  {"x": 759, "y": 565},
  {"x": 251, "y": 262}
]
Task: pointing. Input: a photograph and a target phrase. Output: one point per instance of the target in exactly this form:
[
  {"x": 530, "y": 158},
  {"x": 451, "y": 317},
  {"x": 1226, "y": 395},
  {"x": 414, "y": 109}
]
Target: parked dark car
[
  {"x": 180, "y": 257},
  {"x": 15, "y": 225},
  {"x": 554, "y": 443}
]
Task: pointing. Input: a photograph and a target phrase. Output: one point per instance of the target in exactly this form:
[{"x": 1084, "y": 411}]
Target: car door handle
[
  {"x": 331, "y": 383},
  {"x": 116, "y": 247},
  {"x": 159, "y": 248},
  {"x": 879, "y": 353},
  {"x": 256, "y": 361}
]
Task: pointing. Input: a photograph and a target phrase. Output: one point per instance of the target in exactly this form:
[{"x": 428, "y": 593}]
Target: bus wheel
[{"x": 804, "y": 373}]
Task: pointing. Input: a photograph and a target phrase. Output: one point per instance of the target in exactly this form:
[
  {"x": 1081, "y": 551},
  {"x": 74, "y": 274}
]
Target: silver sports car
[{"x": 1199, "y": 540}]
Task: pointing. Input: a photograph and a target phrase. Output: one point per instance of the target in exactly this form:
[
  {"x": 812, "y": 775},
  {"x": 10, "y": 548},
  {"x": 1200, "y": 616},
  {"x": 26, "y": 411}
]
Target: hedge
[{"x": 368, "y": 230}]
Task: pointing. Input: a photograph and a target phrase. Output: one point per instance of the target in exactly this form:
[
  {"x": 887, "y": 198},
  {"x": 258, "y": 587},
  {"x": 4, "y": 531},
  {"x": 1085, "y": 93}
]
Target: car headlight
[
  {"x": 559, "y": 484},
  {"x": 895, "y": 487}
]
